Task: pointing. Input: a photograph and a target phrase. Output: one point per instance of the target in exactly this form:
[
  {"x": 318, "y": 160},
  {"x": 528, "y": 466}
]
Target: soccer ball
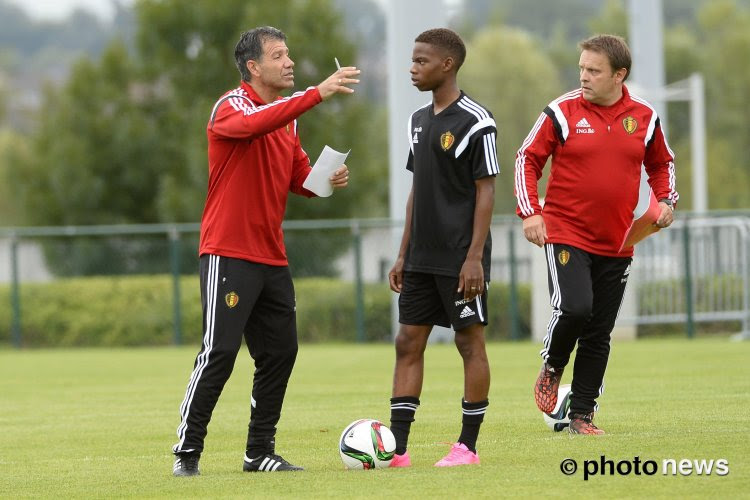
[
  {"x": 367, "y": 444},
  {"x": 558, "y": 419}
]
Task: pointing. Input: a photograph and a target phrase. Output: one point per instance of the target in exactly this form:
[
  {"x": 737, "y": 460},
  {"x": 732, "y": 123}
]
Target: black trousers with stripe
[
  {"x": 257, "y": 302},
  {"x": 586, "y": 292}
]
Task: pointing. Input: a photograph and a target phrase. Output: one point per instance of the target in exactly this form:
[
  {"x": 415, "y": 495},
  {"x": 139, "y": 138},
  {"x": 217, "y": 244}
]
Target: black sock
[
  {"x": 402, "y": 415},
  {"x": 258, "y": 447},
  {"x": 473, "y": 415}
]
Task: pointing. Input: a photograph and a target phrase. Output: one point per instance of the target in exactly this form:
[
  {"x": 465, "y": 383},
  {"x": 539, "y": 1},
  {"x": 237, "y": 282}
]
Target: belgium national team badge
[
  {"x": 563, "y": 257},
  {"x": 446, "y": 140},
  {"x": 231, "y": 299},
  {"x": 629, "y": 124},
  {"x": 288, "y": 128}
]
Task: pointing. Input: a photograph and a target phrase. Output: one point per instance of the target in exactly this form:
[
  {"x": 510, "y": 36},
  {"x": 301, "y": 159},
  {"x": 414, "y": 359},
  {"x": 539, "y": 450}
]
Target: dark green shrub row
[{"x": 138, "y": 311}]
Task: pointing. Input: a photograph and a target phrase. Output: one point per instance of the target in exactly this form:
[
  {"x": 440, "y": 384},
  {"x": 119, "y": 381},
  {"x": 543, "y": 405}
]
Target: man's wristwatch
[{"x": 668, "y": 202}]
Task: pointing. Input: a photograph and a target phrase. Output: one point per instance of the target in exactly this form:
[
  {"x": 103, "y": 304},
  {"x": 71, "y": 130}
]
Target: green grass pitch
[{"x": 99, "y": 423}]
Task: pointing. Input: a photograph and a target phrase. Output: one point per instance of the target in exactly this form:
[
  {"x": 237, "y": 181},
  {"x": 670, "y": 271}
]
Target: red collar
[
  {"x": 624, "y": 100},
  {"x": 254, "y": 95}
]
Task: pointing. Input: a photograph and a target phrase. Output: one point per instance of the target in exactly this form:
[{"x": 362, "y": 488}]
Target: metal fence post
[
  {"x": 688, "y": 280},
  {"x": 358, "y": 288},
  {"x": 174, "y": 251},
  {"x": 515, "y": 330},
  {"x": 15, "y": 295}
]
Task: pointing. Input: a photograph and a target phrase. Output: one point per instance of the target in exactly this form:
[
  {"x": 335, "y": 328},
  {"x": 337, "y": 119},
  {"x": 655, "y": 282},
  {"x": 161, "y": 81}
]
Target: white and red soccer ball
[{"x": 367, "y": 444}]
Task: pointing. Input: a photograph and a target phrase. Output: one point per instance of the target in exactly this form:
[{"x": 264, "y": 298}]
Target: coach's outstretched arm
[{"x": 338, "y": 81}]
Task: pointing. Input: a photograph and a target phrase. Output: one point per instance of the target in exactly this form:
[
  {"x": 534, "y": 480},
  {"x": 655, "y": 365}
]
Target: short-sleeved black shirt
[{"x": 449, "y": 151}]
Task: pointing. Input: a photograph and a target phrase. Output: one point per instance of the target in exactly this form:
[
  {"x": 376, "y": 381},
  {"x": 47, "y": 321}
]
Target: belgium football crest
[
  {"x": 629, "y": 124},
  {"x": 563, "y": 257},
  {"x": 231, "y": 299},
  {"x": 446, "y": 140}
]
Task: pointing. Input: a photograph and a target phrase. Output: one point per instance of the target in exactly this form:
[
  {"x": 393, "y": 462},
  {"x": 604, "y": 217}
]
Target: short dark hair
[
  {"x": 250, "y": 46},
  {"x": 612, "y": 46},
  {"x": 446, "y": 40}
]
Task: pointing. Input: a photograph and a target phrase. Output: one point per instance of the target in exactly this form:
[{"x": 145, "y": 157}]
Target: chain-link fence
[{"x": 138, "y": 284}]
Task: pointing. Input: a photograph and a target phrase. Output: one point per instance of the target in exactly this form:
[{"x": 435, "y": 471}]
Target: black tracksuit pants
[
  {"x": 586, "y": 292},
  {"x": 257, "y": 302}
]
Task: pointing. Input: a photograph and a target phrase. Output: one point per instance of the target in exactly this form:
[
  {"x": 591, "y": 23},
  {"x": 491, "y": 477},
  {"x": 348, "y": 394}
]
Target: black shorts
[{"x": 431, "y": 299}]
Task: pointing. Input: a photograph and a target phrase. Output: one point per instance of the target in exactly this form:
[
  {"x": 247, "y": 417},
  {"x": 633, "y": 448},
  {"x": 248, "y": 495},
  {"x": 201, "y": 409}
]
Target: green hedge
[{"x": 138, "y": 311}]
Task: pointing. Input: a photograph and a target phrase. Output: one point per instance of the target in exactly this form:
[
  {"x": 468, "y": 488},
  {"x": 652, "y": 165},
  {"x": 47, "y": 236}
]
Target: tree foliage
[
  {"x": 516, "y": 87},
  {"x": 190, "y": 49},
  {"x": 97, "y": 156},
  {"x": 725, "y": 38},
  {"x": 124, "y": 139}
]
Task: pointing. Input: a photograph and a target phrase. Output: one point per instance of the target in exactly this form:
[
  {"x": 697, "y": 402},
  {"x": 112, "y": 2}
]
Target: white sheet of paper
[{"x": 319, "y": 181}]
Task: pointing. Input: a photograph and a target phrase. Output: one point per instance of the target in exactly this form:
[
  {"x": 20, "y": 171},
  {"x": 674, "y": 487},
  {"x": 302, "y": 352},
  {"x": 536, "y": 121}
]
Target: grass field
[{"x": 100, "y": 424}]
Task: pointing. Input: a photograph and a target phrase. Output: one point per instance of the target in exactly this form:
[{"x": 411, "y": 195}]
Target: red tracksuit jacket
[
  {"x": 597, "y": 152},
  {"x": 254, "y": 160}
]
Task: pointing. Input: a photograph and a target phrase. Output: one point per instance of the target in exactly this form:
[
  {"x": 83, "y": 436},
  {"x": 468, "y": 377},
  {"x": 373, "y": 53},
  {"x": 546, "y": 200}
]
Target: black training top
[{"x": 449, "y": 151}]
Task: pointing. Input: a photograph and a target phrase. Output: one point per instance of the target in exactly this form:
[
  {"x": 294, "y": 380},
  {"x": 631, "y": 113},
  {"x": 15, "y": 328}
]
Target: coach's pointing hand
[{"x": 337, "y": 82}]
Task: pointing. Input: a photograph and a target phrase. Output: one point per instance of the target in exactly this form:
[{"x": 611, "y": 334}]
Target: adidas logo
[
  {"x": 466, "y": 313},
  {"x": 584, "y": 127},
  {"x": 267, "y": 465}
]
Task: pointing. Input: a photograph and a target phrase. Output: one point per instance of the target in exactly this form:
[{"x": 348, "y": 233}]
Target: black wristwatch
[{"x": 668, "y": 202}]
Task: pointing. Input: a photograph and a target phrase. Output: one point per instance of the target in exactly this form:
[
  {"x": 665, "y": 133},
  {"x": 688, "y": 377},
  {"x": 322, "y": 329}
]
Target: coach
[
  {"x": 598, "y": 136},
  {"x": 254, "y": 160}
]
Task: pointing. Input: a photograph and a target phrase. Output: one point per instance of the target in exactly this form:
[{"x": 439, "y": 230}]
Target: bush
[
  {"x": 139, "y": 311},
  {"x": 664, "y": 296},
  {"x": 103, "y": 311}
]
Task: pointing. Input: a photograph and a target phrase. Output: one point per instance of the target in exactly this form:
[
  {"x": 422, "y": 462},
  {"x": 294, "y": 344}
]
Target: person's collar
[
  {"x": 623, "y": 100},
  {"x": 251, "y": 93},
  {"x": 625, "y": 94}
]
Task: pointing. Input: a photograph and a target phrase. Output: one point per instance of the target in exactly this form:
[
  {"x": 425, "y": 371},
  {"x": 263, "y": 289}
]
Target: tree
[
  {"x": 725, "y": 40},
  {"x": 124, "y": 140},
  {"x": 96, "y": 158},
  {"x": 13, "y": 148},
  {"x": 190, "y": 48},
  {"x": 516, "y": 86}
]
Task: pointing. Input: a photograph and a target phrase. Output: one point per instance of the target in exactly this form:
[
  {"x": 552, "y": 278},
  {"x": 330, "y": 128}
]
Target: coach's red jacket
[
  {"x": 254, "y": 160},
  {"x": 597, "y": 152}
]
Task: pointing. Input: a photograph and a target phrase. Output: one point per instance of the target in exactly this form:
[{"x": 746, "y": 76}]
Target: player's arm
[
  {"x": 659, "y": 164},
  {"x": 471, "y": 278},
  {"x": 236, "y": 117},
  {"x": 530, "y": 161},
  {"x": 396, "y": 274}
]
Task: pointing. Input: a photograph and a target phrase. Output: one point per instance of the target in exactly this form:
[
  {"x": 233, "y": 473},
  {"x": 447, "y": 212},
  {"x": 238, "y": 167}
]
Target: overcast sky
[{"x": 55, "y": 10}]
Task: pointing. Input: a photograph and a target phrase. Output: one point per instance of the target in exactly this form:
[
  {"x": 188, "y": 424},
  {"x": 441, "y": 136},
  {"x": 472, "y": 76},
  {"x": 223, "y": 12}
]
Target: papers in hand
[
  {"x": 328, "y": 162},
  {"x": 644, "y": 223}
]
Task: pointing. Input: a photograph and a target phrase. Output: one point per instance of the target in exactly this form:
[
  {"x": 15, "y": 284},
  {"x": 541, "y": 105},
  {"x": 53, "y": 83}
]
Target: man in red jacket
[
  {"x": 598, "y": 137},
  {"x": 254, "y": 160}
]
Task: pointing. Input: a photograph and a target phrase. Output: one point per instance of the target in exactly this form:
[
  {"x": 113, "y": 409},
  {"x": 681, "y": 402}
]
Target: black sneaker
[
  {"x": 186, "y": 464},
  {"x": 267, "y": 463}
]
